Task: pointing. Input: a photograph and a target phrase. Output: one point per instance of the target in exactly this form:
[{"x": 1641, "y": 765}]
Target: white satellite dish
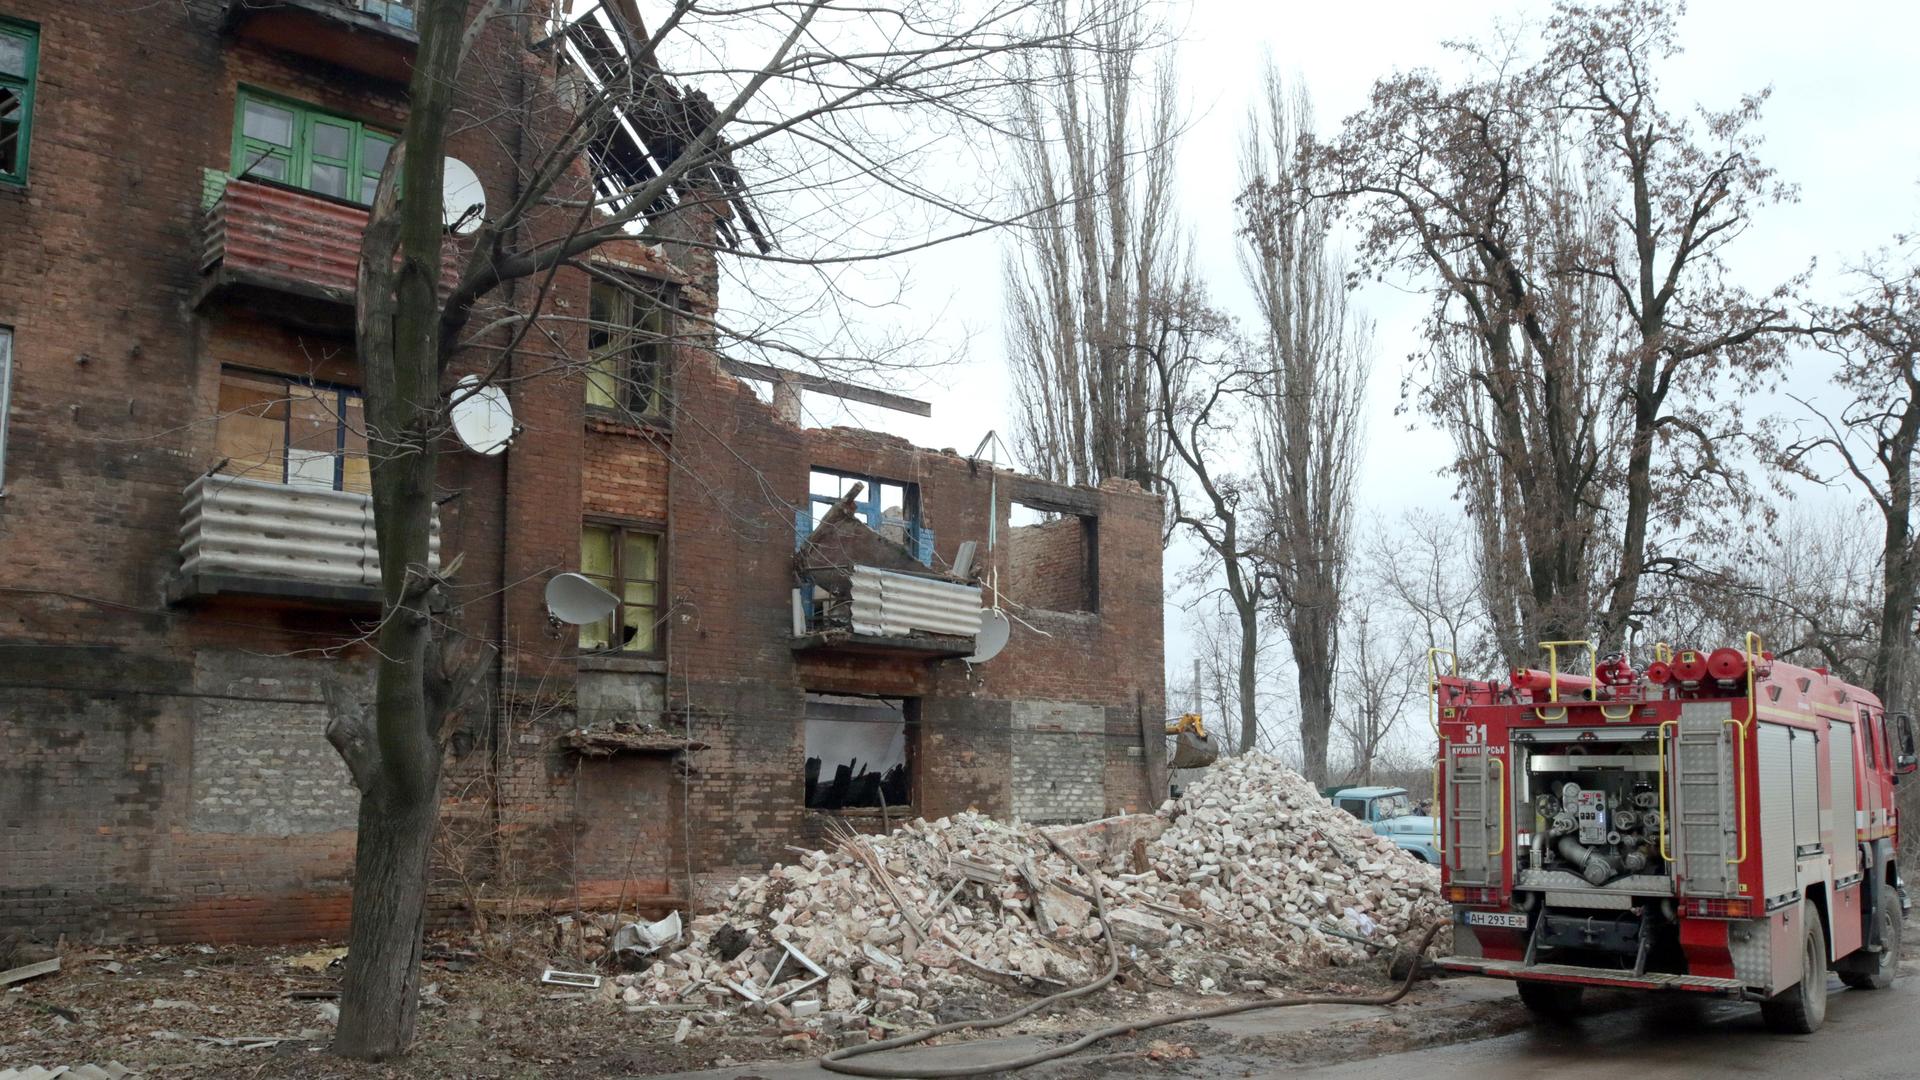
[
  {"x": 482, "y": 417},
  {"x": 463, "y": 200},
  {"x": 995, "y": 629},
  {"x": 574, "y": 599}
]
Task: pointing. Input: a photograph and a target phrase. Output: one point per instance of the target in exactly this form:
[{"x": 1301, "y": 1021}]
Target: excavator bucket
[{"x": 1194, "y": 751}]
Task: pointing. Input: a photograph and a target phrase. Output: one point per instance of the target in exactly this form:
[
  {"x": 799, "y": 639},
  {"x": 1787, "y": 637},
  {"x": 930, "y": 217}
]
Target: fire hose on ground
[{"x": 839, "y": 1060}]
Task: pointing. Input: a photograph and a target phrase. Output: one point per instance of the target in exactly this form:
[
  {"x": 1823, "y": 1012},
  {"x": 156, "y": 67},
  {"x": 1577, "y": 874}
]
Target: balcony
[
  {"x": 883, "y": 612},
  {"x": 373, "y": 37},
  {"x": 255, "y": 538},
  {"x": 290, "y": 252}
]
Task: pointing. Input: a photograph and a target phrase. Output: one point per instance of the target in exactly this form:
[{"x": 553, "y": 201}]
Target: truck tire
[
  {"x": 1552, "y": 1000},
  {"x": 1800, "y": 1009},
  {"x": 1875, "y": 971}
]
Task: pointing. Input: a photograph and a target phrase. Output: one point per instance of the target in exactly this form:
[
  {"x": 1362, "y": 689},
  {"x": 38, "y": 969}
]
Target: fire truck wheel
[
  {"x": 1885, "y": 964},
  {"x": 1800, "y": 1009},
  {"x": 1551, "y": 1001}
]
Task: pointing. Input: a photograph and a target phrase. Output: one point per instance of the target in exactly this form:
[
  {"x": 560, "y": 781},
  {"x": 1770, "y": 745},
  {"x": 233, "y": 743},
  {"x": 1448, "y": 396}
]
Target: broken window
[
  {"x": 628, "y": 330},
  {"x": 299, "y": 145},
  {"x": 625, "y": 561},
  {"x": 1053, "y": 560},
  {"x": 19, "y": 58},
  {"x": 859, "y": 752},
  {"x": 395, "y": 12},
  {"x": 287, "y": 431},
  {"x": 888, "y": 507}
]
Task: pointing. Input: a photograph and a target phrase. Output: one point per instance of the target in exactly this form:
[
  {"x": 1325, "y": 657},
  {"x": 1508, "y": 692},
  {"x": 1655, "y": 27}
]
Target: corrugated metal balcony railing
[
  {"x": 251, "y": 537},
  {"x": 885, "y": 611},
  {"x": 266, "y": 237}
]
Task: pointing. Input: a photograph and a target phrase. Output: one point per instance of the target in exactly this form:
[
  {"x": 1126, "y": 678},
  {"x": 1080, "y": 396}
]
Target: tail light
[
  {"x": 1704, "y": 908},
  {"x": 1467, "y": 894}
]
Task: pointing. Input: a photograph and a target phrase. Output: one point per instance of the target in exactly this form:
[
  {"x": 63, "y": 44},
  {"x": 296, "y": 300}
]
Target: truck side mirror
[{"x": 1905, "y": 759}]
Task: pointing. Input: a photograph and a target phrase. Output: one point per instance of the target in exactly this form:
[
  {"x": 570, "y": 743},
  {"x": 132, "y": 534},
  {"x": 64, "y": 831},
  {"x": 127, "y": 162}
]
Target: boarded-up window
[
  {"x": 288, "y": 432},
  {"x": 625, "y": 561}
]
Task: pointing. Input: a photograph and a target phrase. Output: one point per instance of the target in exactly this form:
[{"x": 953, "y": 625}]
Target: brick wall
[
  {"x": 1059, "y": 761},
  {"x": 163, "y": 772}
]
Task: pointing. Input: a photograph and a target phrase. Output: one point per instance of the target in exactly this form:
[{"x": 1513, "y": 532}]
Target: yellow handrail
[
  {"x": 1552, "y": 649},
  {"x": 1500, "y": 797},
  {"x": 1433, "y": 684},
  {"x": 1754, "y": 647},
  {"x": 1666, "y": 823},
  {"x": 1662, "y": 652},
  {"x": 1740, "y": 789}
]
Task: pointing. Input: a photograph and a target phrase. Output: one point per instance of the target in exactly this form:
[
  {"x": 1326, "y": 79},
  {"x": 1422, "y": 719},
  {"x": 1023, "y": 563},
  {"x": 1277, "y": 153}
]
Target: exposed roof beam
[{"x": 831, "y": 387}]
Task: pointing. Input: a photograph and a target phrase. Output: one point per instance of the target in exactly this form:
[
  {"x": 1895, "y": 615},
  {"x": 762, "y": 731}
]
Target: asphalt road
[{"x": 1869, "y": 1035}]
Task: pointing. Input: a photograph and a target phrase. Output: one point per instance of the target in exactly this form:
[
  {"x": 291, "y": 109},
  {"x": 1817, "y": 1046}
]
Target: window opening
[
  {"x": 859, "y": 752},
  {"x": 888, "y": 507},
  {"x": 1053, "y": 559},
  {"x": 625, "y": 561},
  {"x": 19, "y": 64},
  {"x": 627, "y": 333}
]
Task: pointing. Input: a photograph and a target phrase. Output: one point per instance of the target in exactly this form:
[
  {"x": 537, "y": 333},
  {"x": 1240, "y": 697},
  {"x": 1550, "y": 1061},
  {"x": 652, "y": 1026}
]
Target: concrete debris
[
  {"x": 112, "y": 1070},
  {"x": 29, "y": 971},
  {"x": 1249, "y": 868},
  {"x": 318, "y": 959}
]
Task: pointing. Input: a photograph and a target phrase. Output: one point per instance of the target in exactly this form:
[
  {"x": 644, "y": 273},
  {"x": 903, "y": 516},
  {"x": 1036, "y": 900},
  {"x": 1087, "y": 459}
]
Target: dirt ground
[{"x": 205, "y": 1010}]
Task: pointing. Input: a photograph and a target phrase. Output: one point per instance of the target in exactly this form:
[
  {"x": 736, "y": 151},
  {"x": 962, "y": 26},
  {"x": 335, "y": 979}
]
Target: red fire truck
[{"x": 1719, "y": 822}]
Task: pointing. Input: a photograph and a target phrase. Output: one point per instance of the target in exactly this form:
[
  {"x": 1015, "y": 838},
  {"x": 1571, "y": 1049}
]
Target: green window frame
[
  {"x": 282, "y": 140},
  {"x": 19, "y": 71}
]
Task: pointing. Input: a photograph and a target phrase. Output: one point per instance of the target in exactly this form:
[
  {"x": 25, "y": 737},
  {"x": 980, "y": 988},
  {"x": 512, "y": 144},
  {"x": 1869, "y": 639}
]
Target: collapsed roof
[{"x": 654, "y": 124}]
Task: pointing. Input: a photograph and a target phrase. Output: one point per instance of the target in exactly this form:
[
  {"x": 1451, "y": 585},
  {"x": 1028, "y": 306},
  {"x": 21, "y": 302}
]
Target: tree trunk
[
  {"x": 1900, "y": 580},
  {"x": 380, "y": 995},
  {"x": 1312, "y": 646},
  {"x": 396, "y": 765},
  {"x": 1249, "y": 673}
]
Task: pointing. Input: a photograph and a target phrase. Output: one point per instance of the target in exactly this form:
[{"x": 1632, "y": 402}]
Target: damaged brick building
[{"x": 188, "y": 537}]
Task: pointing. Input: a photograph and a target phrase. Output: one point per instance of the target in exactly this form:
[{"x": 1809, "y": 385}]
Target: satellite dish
[
  {"x": 482, "y": 417},
  {"x": 463, "y": 200},
  {"x": 995, "y": 629},
  {"x": 574, "y": 599}
]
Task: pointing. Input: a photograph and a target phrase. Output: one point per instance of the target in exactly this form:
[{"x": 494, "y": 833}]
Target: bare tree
[
  {"x": 1516, "y": 193},
  {"x": 1416, "y": 559},
  {"x": 1095, "y": 163},
  {"x": 1382, "y": 677},
  {"x": 819, "y": 102},
  {"x": 1313, "y": 352},
  {"x": 1206, "y": 388},
  {"x": 1873, "y": 438}
]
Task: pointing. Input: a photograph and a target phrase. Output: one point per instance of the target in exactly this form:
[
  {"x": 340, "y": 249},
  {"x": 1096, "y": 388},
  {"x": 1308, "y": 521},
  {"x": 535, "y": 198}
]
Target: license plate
[{"x": 1505, "y": 919}]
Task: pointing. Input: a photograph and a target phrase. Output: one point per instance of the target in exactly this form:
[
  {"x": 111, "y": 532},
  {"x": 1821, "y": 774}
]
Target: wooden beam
[
  {"x": 1053, "y": 498},
  {"x": 831, "y": 387}
]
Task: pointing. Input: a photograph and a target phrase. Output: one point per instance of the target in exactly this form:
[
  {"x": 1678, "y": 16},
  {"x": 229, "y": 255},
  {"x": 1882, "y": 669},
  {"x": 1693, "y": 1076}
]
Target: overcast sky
[{"x": 1841, "y": 124}]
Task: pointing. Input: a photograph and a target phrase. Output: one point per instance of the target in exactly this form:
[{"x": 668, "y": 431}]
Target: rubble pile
[{"x": 1249, "y": 871}]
